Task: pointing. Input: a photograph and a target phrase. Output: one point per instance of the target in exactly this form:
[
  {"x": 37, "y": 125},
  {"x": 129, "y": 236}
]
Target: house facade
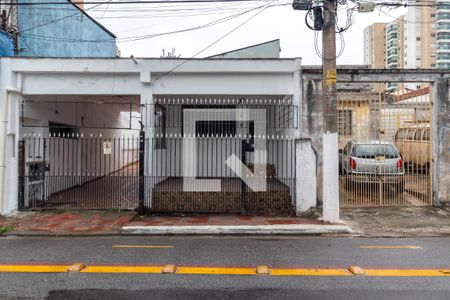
[
  {"x": 237, "y": 136},
  {"x": 75, "y": 134}
]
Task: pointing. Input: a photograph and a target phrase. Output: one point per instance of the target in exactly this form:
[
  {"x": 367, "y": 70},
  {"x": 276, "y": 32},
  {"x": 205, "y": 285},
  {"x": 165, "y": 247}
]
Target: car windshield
[{"x": 374, "y": 150}]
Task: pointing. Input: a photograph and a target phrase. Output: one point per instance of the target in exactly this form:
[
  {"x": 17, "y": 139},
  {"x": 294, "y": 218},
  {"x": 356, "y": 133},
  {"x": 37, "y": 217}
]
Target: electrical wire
[
  {"x": 213, "y": 43},
  {"x": 122, "y": 2},
  {"x": 149, "y": 36}
]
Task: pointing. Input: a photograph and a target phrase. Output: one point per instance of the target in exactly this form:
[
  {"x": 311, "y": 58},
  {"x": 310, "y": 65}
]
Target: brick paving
[
  {"x": 67, "y": 223},
  {"x": 218, "y": 220}
]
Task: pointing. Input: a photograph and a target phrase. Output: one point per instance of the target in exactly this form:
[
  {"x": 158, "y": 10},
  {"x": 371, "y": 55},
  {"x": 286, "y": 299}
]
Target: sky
[{"x": 271, "y": 23}]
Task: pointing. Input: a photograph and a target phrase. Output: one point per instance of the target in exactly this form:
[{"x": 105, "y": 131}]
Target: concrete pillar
[
  {"x": 147, "y": 118},
  {"x": 10, "y": 87},
  {"x": 305, "y": 176},
  {"x": 312, "y": 124},
  {"x": 330, "y": 183},
  {"x": 441, "y": 141}
]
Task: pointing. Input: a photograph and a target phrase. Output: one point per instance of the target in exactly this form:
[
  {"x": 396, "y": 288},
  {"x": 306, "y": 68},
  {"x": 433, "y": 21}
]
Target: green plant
[{"x": 6, "y": 229}]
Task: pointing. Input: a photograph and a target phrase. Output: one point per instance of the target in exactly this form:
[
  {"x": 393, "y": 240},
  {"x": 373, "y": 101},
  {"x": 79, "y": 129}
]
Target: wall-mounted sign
[{"x": 107, "y": 148}]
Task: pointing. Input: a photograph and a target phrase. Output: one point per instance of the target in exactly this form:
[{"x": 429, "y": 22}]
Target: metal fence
[
  {"x": 75, "y": 171},
  {"x": 166, "y": 173}
]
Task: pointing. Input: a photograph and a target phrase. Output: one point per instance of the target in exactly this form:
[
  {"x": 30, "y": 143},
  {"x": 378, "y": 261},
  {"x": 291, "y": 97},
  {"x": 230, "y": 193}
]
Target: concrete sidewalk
[
  {"x": 398, "y": 221},
  {"x": 222, "y": 225}
]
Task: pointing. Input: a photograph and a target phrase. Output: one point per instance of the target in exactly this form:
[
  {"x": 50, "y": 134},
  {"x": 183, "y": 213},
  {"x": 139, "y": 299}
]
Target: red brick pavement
[
  {"x": 67, "y": 223},
  {"x": 217, "y": 220}
]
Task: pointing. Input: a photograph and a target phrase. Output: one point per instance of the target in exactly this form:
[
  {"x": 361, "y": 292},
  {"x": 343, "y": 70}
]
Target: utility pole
[{"x": 330, "y": 186}]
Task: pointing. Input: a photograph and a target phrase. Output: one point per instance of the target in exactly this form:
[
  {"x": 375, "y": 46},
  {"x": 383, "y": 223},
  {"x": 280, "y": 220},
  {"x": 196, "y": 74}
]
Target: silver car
[{"x": 372, "y": 162}]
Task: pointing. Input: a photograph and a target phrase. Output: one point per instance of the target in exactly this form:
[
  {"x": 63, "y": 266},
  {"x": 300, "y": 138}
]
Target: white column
[
  {"x": 10, "y": 87},
  {"x": 305, "y": 176},
  {"x": 330, "y": 183},
  {"x": 147, "y": 113}
]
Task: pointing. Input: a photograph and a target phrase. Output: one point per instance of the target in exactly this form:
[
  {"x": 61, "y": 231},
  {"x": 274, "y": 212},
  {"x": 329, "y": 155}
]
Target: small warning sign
[{"x": 107, "y": 148}]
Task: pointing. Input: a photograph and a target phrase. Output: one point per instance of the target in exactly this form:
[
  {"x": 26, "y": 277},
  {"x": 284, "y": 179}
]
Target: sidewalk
[
  {"x": 367, "y": 222},
  {"x": 115, "y": 223},
  {"x": 221, "y": 225},
  {"x": 398, "y": 221},
  {"x": 66, "y": 223}
]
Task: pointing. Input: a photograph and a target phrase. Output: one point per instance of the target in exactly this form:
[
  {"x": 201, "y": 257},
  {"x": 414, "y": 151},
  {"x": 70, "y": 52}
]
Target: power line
[
  {"x": 123, "y": 2},
  {"x": 213, "y": 43},
  {"x": 149, "y": 36}
]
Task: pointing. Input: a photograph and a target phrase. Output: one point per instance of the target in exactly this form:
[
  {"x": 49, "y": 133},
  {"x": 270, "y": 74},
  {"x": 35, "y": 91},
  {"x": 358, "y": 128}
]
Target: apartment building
[
  {"x": 420, "y": 39},
  {"x": 443, "y": 34}
]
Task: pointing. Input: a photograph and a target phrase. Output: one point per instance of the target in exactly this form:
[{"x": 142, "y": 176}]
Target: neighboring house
[
  {"x": 57, "y": 31},
  {"x": 6, "y": 44},
  {"x": 357, "y": 113},
  {"x": 270, "y": 49}
]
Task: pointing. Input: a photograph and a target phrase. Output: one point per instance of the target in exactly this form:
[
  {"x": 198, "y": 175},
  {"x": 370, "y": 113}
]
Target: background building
[
  {"x": 418, "y": 40},
  {"x": 59, "y": 30},
  {"x": 443, "y": 34}
]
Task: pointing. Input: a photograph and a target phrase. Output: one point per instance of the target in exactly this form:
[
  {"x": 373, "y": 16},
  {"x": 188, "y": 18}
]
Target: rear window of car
[
  {"x": 400, "y": 134},
  {"x": 410, "y": 134},
  {"x": 374, "y": 150},
  {"x": 426, "y": 135},
  {"x": 418, "y": 136}
]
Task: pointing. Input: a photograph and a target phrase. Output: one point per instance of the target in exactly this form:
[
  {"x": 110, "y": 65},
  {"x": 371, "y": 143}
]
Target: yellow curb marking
[
  {"x": 309, "y": 272},
  {"x": 123, "y": 269},
  {"x": 34, "y": 268},
  {"x": 77, "y": 267},
  {"x": 172, "y": 269},
  {"x": 262, "y": 270},
  {"x": 217, "y": 271},
  {"x": 355, "y": 270},
  {"x": 390, "y": 247},
  {"x": 405, "y": 273},
  {"x": 143, "y": 246}
]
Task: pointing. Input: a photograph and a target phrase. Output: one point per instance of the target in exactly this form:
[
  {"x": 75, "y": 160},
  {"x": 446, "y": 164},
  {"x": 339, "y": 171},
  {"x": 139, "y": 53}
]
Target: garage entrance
[{"x": 385, "y": 145}]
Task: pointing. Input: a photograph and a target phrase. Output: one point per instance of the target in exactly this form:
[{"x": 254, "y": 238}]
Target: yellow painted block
[
  {"x": 355, "y": 270},
  {"x": 262, "y": 270},
  {"x": 169, "y": 269},
  {"x": 76, "y": 267}
]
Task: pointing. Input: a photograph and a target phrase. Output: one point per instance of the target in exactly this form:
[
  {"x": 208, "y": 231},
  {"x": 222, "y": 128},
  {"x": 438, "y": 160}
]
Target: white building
[{"x": 71, "y": 124}]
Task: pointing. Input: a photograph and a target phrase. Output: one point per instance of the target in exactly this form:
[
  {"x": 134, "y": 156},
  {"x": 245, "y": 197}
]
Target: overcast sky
[{"x": 275, "y": 22}]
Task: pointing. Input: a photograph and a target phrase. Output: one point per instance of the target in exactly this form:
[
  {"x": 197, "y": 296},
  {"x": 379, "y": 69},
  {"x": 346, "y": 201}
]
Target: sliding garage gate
[{"x": 385, "y": 148}]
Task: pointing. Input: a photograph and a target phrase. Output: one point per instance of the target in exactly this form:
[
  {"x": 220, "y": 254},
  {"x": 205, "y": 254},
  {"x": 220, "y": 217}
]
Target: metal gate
[
  {"x": 385, "y": 148},
  {"x": 166, "y": 193},
  {"x": 208, "y": 144},
  {"x": 74, "y": 171}
]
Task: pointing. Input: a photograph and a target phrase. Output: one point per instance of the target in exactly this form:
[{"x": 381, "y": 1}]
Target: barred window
[
  {"x": 160, "y": 127},
  {"x": 345, "y": 122}
]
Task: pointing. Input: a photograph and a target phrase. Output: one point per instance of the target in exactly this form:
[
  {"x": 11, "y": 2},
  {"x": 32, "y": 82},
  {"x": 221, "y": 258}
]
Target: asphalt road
[{"x": 276, "y": 252}]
